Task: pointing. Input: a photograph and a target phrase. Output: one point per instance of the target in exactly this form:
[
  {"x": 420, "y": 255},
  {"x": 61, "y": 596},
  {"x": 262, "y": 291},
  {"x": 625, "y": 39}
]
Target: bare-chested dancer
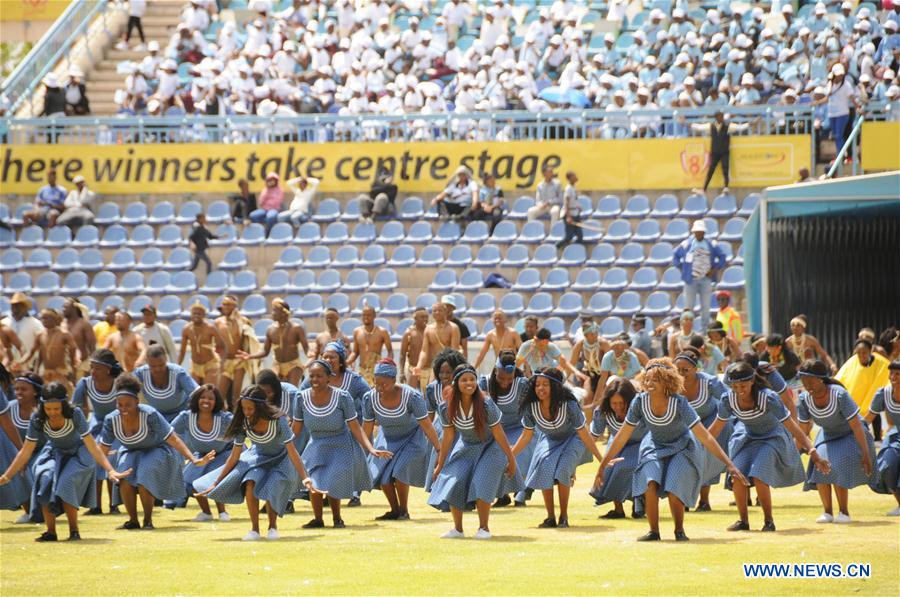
[
  {"x": 806, "y": 346},
  {"x": 79, "y": 327},
  {"x": 439, "y": 335},
  {"x": 285, "y": 336},
  {"x": 206, "y": 345},
  {"x": 331, "y": 334},
  {"x": 499, "y": 338},
  {"x": 368, "y": 342},
  {"x": 56, "y": 350},
  {"x": 129, "y": 347},
  {"x": 8, "y": 341},
  {"x": 235, "y": 329},
  {"x": 411, "y": 347}
]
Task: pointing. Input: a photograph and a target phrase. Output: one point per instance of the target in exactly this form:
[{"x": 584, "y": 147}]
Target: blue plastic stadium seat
[
  {"x": 291, "y": 258},
  {"x": 169, "y": 307},
  {"x": 103, "y": 283},
  {"x": 107, "y": 213},
  {"x": 660, "y": 254},
  {"x": 112, "y": 300},
  {"x": 303, "y": 281},
  {"x": 402, "y": 256},
  {"x": 460, "y": 256},
  {"x": 615, "y": 278},
  {"x": 556, "y": 327},
  {"x": 695, "y": 206},
  {"x": 516, "y": 256},
  {"x": 588, "y": 279},
  {"x": 227, "y": 234},
  {"x": 619, "y": 231},
  {"x": 58, "y": 236},
  {"x": 666, "y": 206},
  {"x": 404, "y": 325},
  {"x": 138, "y": 303},
  {"x": 529, "y": 279},
  {"x": 384, "y": 323},
  {"x": 169, "y": 236},
  {"x": 151, "y": 260},
  {"x": 281, "y": 233},
  {"x": 676, "y": 230},
  {"x": 253, "y": 235},
  {"x": 644, "y": 278},
  {"x": 7, "y": 237},
  {"x": 396, "y": 305},
  {"x": 608, "y": 206},
  {"x": 470, "y": 280},
  {"x": 328, "y": 210},
  {"x": 476, "y": 232},
  {"x": 628, "y": 303},
  {"x": 602, "y": 255},
  {"x": 739, "y": 256},
  {"x": 544, "y": 256},
  {"x": 425, "y": 301},
  {"x": 447, "y": 233},
  {"x": 748, "y": 205},
  {"x": 11, "y": 260},
  {"x": 235, "y": 258},
  {"x": 540, "y": 304},
  {"x": 601, "y": 303},
  {"x": 66, "y": 260},
  {"x": 431, "y": 256},
  {"x": 658, "y": 304},
  {"x": 87, "y": 236},
  {"x": 369, "y": 299},
  {"x": 311, "y": 305},
  {"x": 732, "y": 278},
  {"x": 350, "y": 213},
  {"x": 293, "y": 302},
  {"x": 182, "y": 283},
  {"x": 348, "y": 325},
  {"x": 39, "y": 259},
  {"x": 570, "y": 305},
  {"x": 647, "y": 231},
  {"x": 178, "y": 259},
  {"x": 131, "y": 283},
  {"x": 19, "y": 282},
  {"x": 188, "y": 212},
  {"x": 346, "y": 257},
  {"x": 122, "y": 260},
  {"x": 373, "y": 256},
  {"x": 277, "y": 282},
  {"x": 90, "y": 260},
  {"x": 260, "y": 327},
  {"x": 532, "y": 233},
  {"x": 363, "y": 234},
  {"x": 512, "y": 304},
  {"x": 176, "y": 326},
  {"x": 504, "y": 233},
  {"x": 411, "y": 209},
  {"x": 637, "y": 206},
  {"x": 727, "y": 249},
  {"x": 444, "y": 280},
  {"x": 557, "y": 232},
  {"x": 329, "y": 280},
  {"x": 483, "y": 305},
  {"x": 612, "y": 326},
  {"x": 198, "y": 298},
  {"x": 557, "y": 280},
  {"x": 135, "y": 213},
  {"x": 218, "y": 212},
  {"x": 712, "y": 228},
  {"x": 670, "y": 280},
  {"x": 48, "y": 283},
  {"x": 488, "y": 256},
  {"x": 254, "y": 306},
  {"x": 114, "y": 236},
  {"x": 318, "y": 257},
  {"x": 419, "y": 233},
  {"x": 141, "y": 236},
  {"x": 243, "y": 282},
  {"x": 391, "y": 234},
  {"x": 587, "y": 208},
  {"x": 308, "y": 234},
  {"x": 733, "y": 230},
  {"x": 163, "y": 213},
  {"x": 632, "y": 255},
  {"x": 340, "y": 302},
  {"x": 520, "y": 208},
  {"x": 724, "y": 206},
  {"x": 573, "y": 256},
  {"x": 357, "y": 281},
  {"x": 158, "y": 283}
]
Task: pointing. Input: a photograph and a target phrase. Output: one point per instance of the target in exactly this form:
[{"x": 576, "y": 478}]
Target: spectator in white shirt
[
  {"x": 25, "y": 327},
  {"x": 491, "y": 30},
  {"x": 77, "y": 206},
  {"x": 456, "y": 13},
  {"x": 457, "y": 199},
  {"x": 548, "y": 197},
  {"x": 154, "y": 332},
  {"x": 304, "y": 189},
  {"x": 136, "y": 10}
]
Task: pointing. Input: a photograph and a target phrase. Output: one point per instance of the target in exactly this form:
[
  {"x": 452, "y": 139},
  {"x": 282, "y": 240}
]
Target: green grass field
[{"x": 368, "y": 557}]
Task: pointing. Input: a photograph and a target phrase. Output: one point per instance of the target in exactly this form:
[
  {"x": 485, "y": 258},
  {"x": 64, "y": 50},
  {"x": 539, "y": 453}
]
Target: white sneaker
[
  {"x": 272, "y": 535},
  {"x": 121, "y": 45},
  {"x": 202, "y": 517},
  {"x": 224, "y": 517},
  {"x": 24, "y": 519},
  {"x": 140, "y": 48},
  {"x": 825, "y": 518},
  {"x": 252, "y": 536},
  {"x": 842, "y": 518},
  {"x": 483, "y": 534},
  {"x": 453, "y": 534},
  {"x": 894, "y": 512}
]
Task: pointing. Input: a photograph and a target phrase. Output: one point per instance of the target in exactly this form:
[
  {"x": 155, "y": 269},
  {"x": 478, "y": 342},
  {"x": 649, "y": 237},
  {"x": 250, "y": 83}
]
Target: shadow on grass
[
  {"x": 283, "y": 539},
  {"x": 594, "y": 528},
  {"x": 511, "y": 539},
  {"x": 800, "y": 531},
  {"x": 711, "y": 540},
  {"x": 90, "y": 541}
]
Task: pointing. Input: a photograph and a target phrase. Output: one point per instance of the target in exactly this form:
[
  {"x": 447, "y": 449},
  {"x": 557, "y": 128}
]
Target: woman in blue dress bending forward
[{"x": 886, "y": 478}]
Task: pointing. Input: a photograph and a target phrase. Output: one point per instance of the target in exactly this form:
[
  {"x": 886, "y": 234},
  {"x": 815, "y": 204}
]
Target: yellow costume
[
  {"x": 367, "y": 368},
  {"x": 862, "y": 382},
  {"x": 102, "y": 331},
  {"x": 284, "y": 369},
  {"x": 199, "y": 370},
  {"x": 731, "y": 321}
]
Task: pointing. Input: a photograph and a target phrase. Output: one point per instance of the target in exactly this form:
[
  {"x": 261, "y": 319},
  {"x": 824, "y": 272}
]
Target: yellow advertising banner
[
  {"x": 880, "y": 146},
  {"x": 634, "y": 164},
  {"x": 31, "y": 10}
]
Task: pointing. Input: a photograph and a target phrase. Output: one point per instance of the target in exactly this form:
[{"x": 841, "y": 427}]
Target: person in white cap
[
  {"x": 456, "y": 13},
  {"x": 457, "y": 199},
  {"x": 699, "y": 260},
  {"x": 820, "y": 21},
  {"x": 840, "y": 93},
  {"x": 77, "y": 206},
  {"x": 76, "y": 95},
  {"x": 54, "y": 100},
  {"x": 554, "y": 57}
]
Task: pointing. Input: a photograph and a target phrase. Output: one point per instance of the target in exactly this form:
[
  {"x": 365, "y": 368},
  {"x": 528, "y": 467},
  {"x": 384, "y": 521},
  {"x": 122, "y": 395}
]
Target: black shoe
[
  {"x": 638, "y": 515},
  {"x": 703, "y": 507},
  {"x": 46, "y": 536},
  {"x": 390, "y": 515},
  {"x": 169, "y": 505},
  {"x": 113, "y": 510},
  {"x": 549, "y": 523},
  {"x": 502, "y": 502},
  {"x": 315, "y": 523},
  {"x": 680, "y": 536},
  {"x": 157, "y": 503},
  {"x": 686, "y": 509},
  {"x": 129, "y": 525},
  {"x": 148, "y": 526},
  {"x": 74, "y": 536},
  {"x": 768, "y": 527},
  {"x": 651, "y": 536},
  {"x": 613, "y": 515},
  {"x": 354, "y": 502},
  {"x": 289, "y": 508},
  {"x": 563, "y": 523},
  {"x": 403, "y": 516},
  {"x": 262, "y": 510},
  {"x": 518, "y": 504},
  {"x": 94, "y": 512},
  {"x": 739, "y": 525},
  {"x": 339, "y": 524}
]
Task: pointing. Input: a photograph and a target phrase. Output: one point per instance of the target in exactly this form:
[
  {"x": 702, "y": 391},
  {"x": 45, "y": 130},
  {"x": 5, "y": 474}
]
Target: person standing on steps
[{"x": 720, "y": 145}]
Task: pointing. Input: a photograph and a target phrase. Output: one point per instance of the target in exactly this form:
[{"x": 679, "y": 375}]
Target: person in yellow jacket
[
  {"x": 863, "y": 374},
  {"x": 730, "y": 318}
]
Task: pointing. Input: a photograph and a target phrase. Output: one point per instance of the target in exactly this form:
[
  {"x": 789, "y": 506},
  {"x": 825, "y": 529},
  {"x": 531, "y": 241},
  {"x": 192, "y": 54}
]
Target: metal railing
[
  {"x": 851, "y": 145},
  {"x": 55, "y": 44}
]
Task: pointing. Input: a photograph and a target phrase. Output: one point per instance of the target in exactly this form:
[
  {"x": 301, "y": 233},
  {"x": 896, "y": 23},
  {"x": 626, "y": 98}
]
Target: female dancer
[
  {"x": 671, "y": 459},
  {"x": 16, "y": 491},
  {"x": 405, "y": 431},
  {"x": 610, "y": 416},
  {"x": 267, "y": 471},
  {"x": 151, "y": 451},
  {"x": 64, "y": 468},
  {"x": 28, "y": 388},
  {"x": 564, "y": 444},
  {"x": 843, "y": 439},
  {"x": 167, "y": 387},
  {"x": 436, "y": 391},
  {"x": 506, "y": 386},
  {"x": 94, "y": 394},
  {"x": 887, "y": 466},
  {"x": 703, "y": 392},
  {"x": 282, "y": 395},
  {"x": 334, "y": 456},
  {"x": 202, "y": 428},
  {"x": 760, "y": 444},
  {"x": 469, "y": 471}
]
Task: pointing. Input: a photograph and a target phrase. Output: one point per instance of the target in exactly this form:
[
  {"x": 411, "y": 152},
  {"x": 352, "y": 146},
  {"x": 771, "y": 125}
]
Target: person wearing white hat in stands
[
  {"x": 747, "y": 95},
  {"x": 456, "y": 13},
  {"x": 54, "y": 97},
  {"x": 840, "y": 93},
  {"x": 76, "y": 95},
  {"x": 77, "y": 206}
]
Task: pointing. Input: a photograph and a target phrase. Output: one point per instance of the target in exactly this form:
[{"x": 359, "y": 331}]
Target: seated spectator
[
  {"x": 304, "y": 189},
  {"x": 54, "y": 98},
  {"x": 48, "y": 203},
  {"x": 548, "y": 198},
  {"x": 271, "y": 202},
  {"x": 380, "y": 199},
  {"x": 76, "y": 95},
  {"x": 457, "y": 199},
  {"x": 490, "y": 202},
  {"x": 243, "y": 203},
  {"x": 77, "y": 206}
]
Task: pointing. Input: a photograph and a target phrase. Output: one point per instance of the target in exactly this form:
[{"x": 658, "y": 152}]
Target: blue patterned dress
[
  {"x": 760, "y": 447},
  {"x": 101, "y": 404},
  {"x": 64, "y": 468},
  {"x": 617, "y": 479},
  {"x": 173, "y": 398},
  {"x": 475, "y": 467},
  {"x": 559, "y": 451},
  {"x": 886, "y": 477},
  {"x": 400, "y": 433},
  {"x": 200, "y": 443},
  {"x": 155, "y": 464},
  {"x": 335, "y": 461},
  {"x": 670, "y": 455},
  {"x": 16, "y": 492},
  {"x": 706, "y": 405},
  {"x": 835, "y": 441},
  {"x": 352, "y": 383},
  {"x": 434, "y": 397},
  {"x": 266, "y": 463},
  {"x": 512, "y": 427}
]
